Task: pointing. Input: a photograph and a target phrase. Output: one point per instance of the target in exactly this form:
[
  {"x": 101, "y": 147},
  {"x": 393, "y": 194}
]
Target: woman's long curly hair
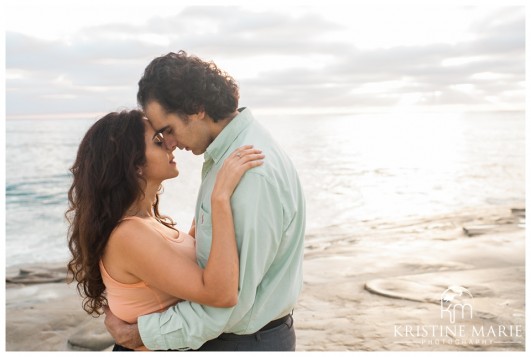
[
  {"x": 185, "y": 84},
  {"x": 106, "y": 182}
]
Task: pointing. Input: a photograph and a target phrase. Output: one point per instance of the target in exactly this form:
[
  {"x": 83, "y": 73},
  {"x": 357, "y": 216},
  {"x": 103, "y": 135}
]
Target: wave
[{"x": 37, "y": 192}]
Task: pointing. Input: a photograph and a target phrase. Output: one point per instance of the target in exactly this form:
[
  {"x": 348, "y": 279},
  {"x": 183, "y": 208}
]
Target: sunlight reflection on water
[{"x": 353, "y": 169}]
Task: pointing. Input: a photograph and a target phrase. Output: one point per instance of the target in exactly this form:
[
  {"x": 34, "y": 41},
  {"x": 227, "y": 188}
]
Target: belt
[{"x": 275, "y": 323}]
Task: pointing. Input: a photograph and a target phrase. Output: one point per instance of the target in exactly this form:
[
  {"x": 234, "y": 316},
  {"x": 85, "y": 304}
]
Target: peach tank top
[{"x": 128, "y": 301}]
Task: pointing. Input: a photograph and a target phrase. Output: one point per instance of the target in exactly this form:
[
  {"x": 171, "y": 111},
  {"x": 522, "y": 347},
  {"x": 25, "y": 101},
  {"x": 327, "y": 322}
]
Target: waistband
[
  {"x": 271, "y": 325},
  {"x": 275, "y": 323}
]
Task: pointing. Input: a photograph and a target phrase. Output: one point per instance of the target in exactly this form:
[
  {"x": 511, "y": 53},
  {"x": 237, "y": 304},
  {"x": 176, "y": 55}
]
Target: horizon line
[{"x": 282, "y": 111}]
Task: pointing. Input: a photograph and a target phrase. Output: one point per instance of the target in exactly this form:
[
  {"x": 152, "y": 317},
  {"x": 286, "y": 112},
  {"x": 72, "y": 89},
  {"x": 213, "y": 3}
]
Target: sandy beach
[{"x": 370, "y": 286}]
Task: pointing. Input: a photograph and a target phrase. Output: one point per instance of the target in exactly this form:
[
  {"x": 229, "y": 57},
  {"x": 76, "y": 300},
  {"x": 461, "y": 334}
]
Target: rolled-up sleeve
[
  {"x": 257, "y": 212},
  {"x": 183, "y": 326}
]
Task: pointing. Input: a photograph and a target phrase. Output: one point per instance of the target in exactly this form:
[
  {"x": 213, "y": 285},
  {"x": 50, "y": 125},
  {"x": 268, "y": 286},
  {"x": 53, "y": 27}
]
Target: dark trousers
[
  {"x": 120, "y": 348},
  {"x": 279, "y": 338}
]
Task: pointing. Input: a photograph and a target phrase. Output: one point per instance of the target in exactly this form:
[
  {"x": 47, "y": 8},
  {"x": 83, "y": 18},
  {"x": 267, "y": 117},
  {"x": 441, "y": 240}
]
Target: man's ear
[
  {"x": 198, "y": 116},
  {"x": 201, "y": 114}
]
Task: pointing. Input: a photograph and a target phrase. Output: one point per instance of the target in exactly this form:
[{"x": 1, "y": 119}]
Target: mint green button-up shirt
[{"x": 269, "y": 217}]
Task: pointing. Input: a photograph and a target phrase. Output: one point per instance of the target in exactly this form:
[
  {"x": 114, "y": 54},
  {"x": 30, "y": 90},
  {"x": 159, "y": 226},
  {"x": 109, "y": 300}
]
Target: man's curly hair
[{"x": 185, "y": 84}]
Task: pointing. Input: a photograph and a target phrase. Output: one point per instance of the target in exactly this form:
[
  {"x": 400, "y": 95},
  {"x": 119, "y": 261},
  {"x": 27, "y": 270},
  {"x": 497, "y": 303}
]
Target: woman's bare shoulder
[{"x": 129, "y": 229}]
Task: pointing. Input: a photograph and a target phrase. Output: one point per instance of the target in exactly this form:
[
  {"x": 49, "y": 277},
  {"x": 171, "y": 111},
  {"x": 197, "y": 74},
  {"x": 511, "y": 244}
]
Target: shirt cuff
[
  {"x": 159, "y": 328},
  {"x": 149, "y": 329}
]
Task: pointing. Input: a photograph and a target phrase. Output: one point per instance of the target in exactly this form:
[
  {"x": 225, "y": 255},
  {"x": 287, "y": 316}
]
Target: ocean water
[{"x": 354, "y": 169}]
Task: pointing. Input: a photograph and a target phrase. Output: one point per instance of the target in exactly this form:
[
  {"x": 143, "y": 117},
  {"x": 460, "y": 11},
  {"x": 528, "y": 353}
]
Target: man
[{"x": 194, "y": 105}]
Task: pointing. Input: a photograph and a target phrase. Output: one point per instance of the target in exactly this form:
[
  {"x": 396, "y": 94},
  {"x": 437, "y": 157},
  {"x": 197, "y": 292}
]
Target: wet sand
[{"x": 371, "y": 286}]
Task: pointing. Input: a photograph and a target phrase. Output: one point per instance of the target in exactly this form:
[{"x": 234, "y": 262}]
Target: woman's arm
[
  {"x": 192, "y": 229},
  {"x": 134, "y": 248},
  {"x": 223, "y": 263}
]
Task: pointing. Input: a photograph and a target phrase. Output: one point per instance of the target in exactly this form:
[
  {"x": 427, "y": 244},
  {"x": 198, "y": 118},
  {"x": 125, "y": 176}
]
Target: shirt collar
[{"x": 226, "y": 137}]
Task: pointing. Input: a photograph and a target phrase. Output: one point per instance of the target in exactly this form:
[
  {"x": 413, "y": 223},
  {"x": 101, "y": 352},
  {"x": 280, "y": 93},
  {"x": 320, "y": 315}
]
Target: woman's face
[{"x": 159, "y": 159}]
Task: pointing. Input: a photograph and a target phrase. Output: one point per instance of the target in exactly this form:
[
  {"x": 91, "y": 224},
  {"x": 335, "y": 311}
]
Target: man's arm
[
  {"x": 123, "y": 333},
  {"x": 258, "y": 225}
]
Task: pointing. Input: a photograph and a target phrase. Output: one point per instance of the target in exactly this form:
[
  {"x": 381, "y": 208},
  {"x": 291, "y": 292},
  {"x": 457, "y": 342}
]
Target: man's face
[{"x": 193, "y": 135}]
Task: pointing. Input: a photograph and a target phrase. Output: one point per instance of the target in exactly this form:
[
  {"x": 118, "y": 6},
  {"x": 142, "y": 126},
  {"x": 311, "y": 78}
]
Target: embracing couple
[{"x": 232, "y": 280}]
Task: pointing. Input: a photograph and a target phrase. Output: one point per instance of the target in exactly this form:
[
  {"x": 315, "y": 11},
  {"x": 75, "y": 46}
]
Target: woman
[{"x": 124, "y": 252}]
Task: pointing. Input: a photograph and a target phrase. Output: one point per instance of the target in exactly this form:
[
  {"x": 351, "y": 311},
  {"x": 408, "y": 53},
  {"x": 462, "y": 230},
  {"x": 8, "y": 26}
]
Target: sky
[{"x": 80, "y": 58}]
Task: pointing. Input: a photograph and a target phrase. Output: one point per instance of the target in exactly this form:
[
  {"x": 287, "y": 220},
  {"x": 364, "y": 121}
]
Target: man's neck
[{"x": 222, "y": 123}]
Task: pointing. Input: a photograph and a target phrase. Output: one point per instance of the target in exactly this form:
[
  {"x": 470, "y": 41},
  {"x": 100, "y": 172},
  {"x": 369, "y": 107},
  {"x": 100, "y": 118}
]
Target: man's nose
[{"x": 170, "y": 142}]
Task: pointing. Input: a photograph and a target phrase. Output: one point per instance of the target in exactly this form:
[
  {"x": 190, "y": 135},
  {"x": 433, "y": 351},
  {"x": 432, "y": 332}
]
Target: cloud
[{"x": 281, "y": 59}]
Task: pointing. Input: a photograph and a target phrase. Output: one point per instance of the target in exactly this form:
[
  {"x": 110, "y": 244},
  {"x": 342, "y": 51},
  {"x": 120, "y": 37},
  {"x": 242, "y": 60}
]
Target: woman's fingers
[
  {"x": 251, "y": 157},
  {"x": 245, "y": 157},
  {"x": 235, "y": 166},
  {"x": 241, "y": 152},
  {"x": 245, "y": 152}
]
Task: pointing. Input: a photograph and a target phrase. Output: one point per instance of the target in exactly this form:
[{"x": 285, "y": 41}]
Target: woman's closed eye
[{"x": 158, "y": 139}]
